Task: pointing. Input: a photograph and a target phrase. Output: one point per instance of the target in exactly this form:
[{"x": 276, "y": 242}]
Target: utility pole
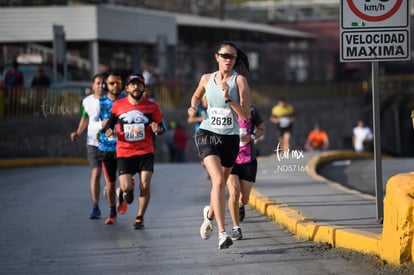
[{"x": 222, "y": 9}]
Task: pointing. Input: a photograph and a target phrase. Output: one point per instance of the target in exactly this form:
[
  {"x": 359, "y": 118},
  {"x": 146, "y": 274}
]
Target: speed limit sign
[
  {"x": 373, "y": 30},
  {"x": 374, "y": 14}
]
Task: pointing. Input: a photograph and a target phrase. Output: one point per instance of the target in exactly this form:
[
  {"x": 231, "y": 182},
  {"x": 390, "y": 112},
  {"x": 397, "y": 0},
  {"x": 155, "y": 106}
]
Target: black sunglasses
[{"x": 227, "y": 55}]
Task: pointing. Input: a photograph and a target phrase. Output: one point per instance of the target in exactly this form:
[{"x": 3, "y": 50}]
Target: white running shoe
[
  {"x": 206, "y": 228},
  {"x": 224, "y": 241}
]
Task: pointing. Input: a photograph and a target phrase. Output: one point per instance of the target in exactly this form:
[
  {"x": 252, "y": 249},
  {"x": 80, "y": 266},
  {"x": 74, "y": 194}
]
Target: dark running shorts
[
  {"x": 224, "y": 146},
  {"x": 136, "y": 164},
  {"x": 108, "y": 160},
  {"x": 92, "y": 152},
  {"x": 245, "y": 171},
  {"x": 282, "y": 131}
]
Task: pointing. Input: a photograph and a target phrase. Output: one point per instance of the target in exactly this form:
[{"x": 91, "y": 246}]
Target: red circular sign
[{"x": 382, "y": 17}]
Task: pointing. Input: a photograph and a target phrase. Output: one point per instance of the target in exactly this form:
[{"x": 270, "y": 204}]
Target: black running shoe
[
  {"x": 242, "y": 213},
  {"x": 129, "y": 196},
  {"x": 236, "y": 234},
  {"x": 139, "y": 222}
]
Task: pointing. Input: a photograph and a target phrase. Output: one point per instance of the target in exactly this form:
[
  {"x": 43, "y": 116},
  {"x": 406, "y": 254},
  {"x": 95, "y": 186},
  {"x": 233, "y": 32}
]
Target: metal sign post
[
  {"x": 375, "y": 30},
  {"x": 379, "y": 192},
  {"x": 59, "y": 51}
]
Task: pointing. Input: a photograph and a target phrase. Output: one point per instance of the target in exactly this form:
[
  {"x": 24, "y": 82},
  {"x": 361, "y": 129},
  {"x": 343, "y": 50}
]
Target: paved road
[{"x": 45, "y": 230}]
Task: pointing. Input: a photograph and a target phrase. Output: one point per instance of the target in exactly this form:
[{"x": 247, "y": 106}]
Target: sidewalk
[{"x": 291, "y": 194}]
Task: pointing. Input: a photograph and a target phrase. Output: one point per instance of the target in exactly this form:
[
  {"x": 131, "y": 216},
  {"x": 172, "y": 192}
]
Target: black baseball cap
[{"x": 135, "y": 78}]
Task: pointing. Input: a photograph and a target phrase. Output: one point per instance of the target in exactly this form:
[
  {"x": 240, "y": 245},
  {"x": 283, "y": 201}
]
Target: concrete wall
[{"x": 49, "y": 136}]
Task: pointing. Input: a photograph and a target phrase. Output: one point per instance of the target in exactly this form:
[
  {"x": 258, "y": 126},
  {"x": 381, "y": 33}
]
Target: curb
[{"x": 306, "y": 229}]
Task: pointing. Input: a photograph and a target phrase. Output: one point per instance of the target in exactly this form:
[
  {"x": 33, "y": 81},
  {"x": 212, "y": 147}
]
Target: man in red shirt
[{"x": 136, "y": 120}]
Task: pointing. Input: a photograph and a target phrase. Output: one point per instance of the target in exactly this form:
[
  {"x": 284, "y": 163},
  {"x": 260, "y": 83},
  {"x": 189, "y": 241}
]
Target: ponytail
[{"x": 242, "y": 61}]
